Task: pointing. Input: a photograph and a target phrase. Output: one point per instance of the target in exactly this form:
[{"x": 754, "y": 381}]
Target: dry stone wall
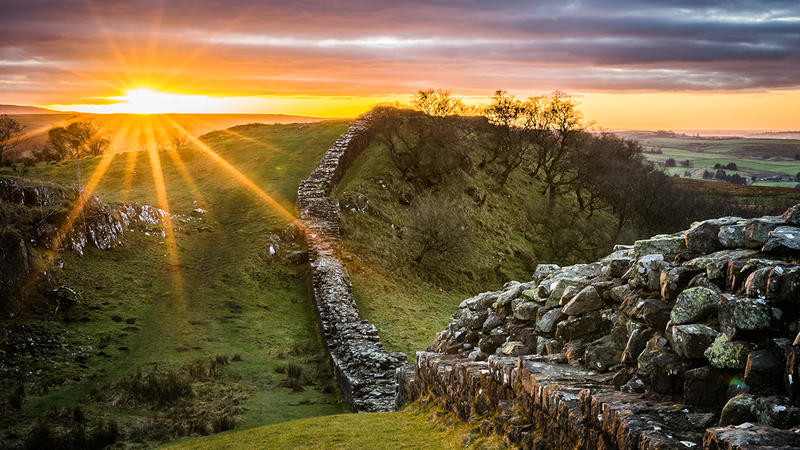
[
  {"x": 687, "y": 340},
  {"x": 364, "y": 370}
]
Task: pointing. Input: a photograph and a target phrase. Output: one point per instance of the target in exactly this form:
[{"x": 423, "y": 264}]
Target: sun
[{"x": 144, "y": 100}]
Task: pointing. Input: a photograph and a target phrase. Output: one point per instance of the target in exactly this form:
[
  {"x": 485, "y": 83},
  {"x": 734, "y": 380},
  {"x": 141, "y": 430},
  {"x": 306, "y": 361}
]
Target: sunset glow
[{"x": 631, "y": 64}]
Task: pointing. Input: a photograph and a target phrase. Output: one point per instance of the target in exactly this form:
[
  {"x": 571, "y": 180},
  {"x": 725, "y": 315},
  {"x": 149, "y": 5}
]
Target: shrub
[{"x": 438, "y": 226}]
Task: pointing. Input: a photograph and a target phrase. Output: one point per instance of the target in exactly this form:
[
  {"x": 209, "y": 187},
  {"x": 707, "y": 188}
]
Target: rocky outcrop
[
  {"x": 686, "y": 340},
  {"x": 364, "y": 370},
  {"x": 37, "y": 214}
]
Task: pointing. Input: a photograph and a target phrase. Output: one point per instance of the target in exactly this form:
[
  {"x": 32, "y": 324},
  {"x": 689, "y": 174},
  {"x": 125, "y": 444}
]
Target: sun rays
[{"x": 152, "y": 136}]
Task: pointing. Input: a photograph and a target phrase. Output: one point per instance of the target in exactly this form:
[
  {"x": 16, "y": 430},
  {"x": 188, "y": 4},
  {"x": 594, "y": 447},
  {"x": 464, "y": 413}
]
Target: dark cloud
[{"x": 476, "y": 45}]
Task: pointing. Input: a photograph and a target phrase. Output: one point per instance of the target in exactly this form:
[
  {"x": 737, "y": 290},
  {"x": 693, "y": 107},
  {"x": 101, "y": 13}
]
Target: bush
[{"x": 439, "y": 226}]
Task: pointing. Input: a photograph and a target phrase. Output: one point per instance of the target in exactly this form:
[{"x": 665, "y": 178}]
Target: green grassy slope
[
  {"x": 411, "y": 303},
  {"x": 237, "y": 300},
  {"x": 413, "y": 428}
]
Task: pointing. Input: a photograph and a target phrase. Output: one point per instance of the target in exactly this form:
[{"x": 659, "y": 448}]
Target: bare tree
[
  {"x": 438, "y": 226},
  {"x": 11, "y": 133}
]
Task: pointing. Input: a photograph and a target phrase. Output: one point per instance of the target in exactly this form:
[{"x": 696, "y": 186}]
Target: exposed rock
[
  {"x": 725, "y": 353},
  {"x": 600, "y": 319},
  {"x": 691, "y": 341},
  {"x": 703, "y": 237},
  {"x": 636, "y": 343},
  {"x": 783, "y": 239},
  {"x": 693, "y": 305},
  {"x": 750, "y": 436},
  {"x": 739, "y": 409},
  {"x": 792, "y": 215},
  {"x": 547, "y": 322},
  {"x": 758, "y": 229},
  {"x": 733, "y": 236},
  {"x": 704, "y": 386},
  {"x": 653, "y": 311},
  {"x": 586, "y": 300},
  {"x": 673, "y": 281},
  {"x": 526, "y": 311},
  {"x": 777, "y": 411},
  {"x": 763, "y": 370},
  {"x": 663, "y": 244},
  {"x": 746, "y": 314}
]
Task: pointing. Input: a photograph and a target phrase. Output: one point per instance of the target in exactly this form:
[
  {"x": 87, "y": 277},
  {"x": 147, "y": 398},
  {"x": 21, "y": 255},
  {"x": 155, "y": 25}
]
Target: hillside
[
  {"x": 379, "y": 248},
  {"x": 16, "y": 109},
  {"x": 227, "y": 318}
]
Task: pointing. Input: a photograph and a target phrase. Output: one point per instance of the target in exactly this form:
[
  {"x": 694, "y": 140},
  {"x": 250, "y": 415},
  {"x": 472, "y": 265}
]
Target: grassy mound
[
  {"x": 142, "y": 323},
  {"x": 415, "y": 427}
]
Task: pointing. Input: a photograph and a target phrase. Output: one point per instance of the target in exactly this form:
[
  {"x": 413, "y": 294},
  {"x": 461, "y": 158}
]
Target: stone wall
[
  {"x": 364, "y": 370},
  {"x": 680, "y": 341}
]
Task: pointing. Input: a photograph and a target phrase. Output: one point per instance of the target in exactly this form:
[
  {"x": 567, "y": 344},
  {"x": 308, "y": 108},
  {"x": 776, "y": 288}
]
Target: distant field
[
  {"x": 37, "y": 125},
  {"x": 754, "y": 157}
]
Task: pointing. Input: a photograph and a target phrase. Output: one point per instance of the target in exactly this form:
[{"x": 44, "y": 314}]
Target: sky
[{"x": 677, "y": 64}]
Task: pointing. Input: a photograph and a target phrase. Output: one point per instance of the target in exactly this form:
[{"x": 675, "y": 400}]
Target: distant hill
[{"x": 17, "y": 109}]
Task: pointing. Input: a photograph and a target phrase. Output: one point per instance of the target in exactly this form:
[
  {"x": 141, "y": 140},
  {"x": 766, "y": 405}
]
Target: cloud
[{"x": 379, "y": 47}]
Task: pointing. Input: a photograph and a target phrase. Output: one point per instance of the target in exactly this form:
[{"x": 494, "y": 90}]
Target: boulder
[
  {"x": 504, "y": 299},
  {"x": 750, "y": 436},
  {"x": 619, "y": 293},
  {"x": 691, "y": 341},
  {"x": 738, "y": 410},
  {"x": 489, "y": 343},
  {"x": 636, "y": 343},
  {"x": 756, "y": 283},
  {"x": 733, "y": 236},
  {"x": 547, "y": 321},
  {"x": 724, "y": 353},
  {"x": 663, "y": 244},
  {"x": 586, "y": 300},
  {"x": 514, "y": 348},
  {"x": 574, "y": 328},
  {"x": 491, "y": 322},
  {"x": 653, "y": 311},
  {"x": 703, "y": 237},
  {"x": 667, "y": 373},
  {"x": 783, "y": 239},
  {"x": 758, "y": 229},
  {"x": 777, "y": 411},
  {"x": 784, "y": 284},
  {"x": 543, "y": 271},
  {"x": 693, "y": 305},
  {"x": 526, "y": 311},
  {"x": 704, "y": 386},
  {"x": 601, "y": 355},
  {"x": 738, "y": 315},
  {"x": 763, "y": 370},
  {"x": 792, "y": 215},
  {"x": 673, "y": 281},
  {"x": 647, "y": 272}
]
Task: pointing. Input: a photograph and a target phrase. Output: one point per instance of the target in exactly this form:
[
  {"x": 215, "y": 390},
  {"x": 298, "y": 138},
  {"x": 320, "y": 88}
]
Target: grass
[
  {"x": 415, "y": 427},
  {"x": 237, "y": 300}
]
